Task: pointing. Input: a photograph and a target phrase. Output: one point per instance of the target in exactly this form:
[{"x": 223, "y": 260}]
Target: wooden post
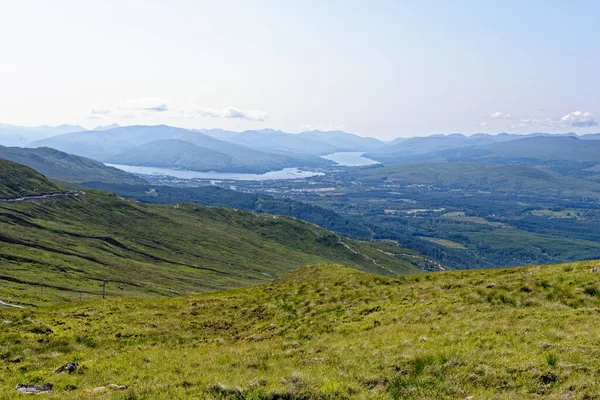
[{"x": 104, "y": 289}]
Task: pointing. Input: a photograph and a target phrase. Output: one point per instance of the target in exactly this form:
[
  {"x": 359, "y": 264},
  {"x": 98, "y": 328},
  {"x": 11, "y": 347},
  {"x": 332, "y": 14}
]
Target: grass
[
  {"x": 445, "y": 242},
  {"x": 325, "y": 332},
  {"x": 66, "y": 167},
  {"x": 17, "y": 180},
  {"x": 461, "y": 217},
  {"x": 63, "y": 249}
]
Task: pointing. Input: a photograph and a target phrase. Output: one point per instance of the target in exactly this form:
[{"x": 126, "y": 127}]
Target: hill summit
[{"x": 17, "y": 180}]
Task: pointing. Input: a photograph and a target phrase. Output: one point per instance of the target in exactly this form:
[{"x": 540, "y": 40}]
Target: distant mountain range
[
  {"x": 11, "y": 135},
  {"x": 166, "y": 146},
  {"x": 409, "y": 147},
  {"x": 259, "y": 151},
  {"x": 310, "y": 142},
  {"x": 568, "y": 154}
]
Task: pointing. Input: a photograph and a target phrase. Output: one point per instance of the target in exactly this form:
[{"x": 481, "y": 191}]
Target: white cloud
[
  {"x": 144, "y": 105},
  {"x": 99, "y": 111},
  {"x": 575, "y": 119},
  {"x": 483, "y": 124},
  {"x": 229, "y": 112},
  {"x": 579, "y": 119},
  {"x": 499, "y": 114}
]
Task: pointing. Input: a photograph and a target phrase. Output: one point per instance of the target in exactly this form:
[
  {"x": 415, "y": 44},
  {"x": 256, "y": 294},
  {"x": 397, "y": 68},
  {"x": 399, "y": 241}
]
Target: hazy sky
[{"x": 377, "y": 68}]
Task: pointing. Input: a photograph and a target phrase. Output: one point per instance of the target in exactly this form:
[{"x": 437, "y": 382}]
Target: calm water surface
[{"x": 286, "y": 173}]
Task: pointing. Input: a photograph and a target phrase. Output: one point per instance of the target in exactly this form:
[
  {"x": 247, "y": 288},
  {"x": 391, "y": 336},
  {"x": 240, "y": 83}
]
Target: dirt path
[
  {"x": 40, "y": 197},
  {"x": 340, "y": 241}
]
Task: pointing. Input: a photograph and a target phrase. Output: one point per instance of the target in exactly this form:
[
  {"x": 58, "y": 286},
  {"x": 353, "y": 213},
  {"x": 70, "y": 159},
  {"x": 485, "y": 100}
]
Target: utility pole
[{"x": 104, "y": 289}]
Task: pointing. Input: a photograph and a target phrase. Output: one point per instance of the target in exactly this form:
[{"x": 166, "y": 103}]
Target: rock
[
  {"x": 595, "y": 269},
  {"x": 112, "y": 386},
  {"x": 68, "y": 367},
  {"x": 46, "y": 388},
  {"x": 548, "y": 378}
]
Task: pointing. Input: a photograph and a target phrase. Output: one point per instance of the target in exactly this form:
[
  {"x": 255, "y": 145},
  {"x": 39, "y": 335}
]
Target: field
[
  {"x": 446, "y": 243},
  {"x": 325, "y": 332}
]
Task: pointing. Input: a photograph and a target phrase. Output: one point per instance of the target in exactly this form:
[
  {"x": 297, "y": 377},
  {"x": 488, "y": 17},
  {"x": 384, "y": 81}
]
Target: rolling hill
[
  {"x": 324, "y": 332},
  {"x": 343, "y": 141},
  {"x": 216, "y": 196},
  {"x": 58, "y": 165},
  {"x": 17, "y": 181},
  {"x": 422, "y": 148},
  {"x": 69, "y": 245},
  {"x": 173, "y": 153}
]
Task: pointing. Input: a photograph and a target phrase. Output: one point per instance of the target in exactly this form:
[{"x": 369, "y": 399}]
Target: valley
[
  {"x": 299, "y": 200},
  {"x": 494, "y": 212},
  {"x": 62, "y": 248}
]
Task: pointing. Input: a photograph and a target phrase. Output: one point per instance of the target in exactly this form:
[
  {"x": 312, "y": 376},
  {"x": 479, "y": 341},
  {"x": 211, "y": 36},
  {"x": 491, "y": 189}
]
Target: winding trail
[
  {"x": 439, "y": 266},
  {"x": 340, "y": 241},
  {"x": 41, "y": 197}
]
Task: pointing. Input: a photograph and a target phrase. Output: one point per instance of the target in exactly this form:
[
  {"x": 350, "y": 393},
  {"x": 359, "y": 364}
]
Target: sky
[{"x": 383, "y": 69}]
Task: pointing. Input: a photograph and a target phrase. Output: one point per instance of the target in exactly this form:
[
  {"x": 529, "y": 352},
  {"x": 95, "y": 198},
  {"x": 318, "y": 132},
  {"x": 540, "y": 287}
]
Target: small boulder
[
  {"x": 46, "y": 388},
  {"x": 595, "y": 269},
  {"x": 548, "y": 378}
]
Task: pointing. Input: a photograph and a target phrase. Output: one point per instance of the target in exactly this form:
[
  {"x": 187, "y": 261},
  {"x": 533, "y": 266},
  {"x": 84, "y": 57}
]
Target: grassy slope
[
  {"x": 18, "y": 180},
  {"x": 327, "y": 332},
  {"x": 66, "y": 245},
  {"x": 216, "y": 196},
  {"x": 67, "y": 167}
]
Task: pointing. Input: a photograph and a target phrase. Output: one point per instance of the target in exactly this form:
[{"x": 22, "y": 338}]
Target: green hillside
[
  {"x": 67, "y": 246},
  {"x": 66, "y": 167},
  {"x": 217, "y": 196},
  {"x": 325, "y": 332},
  {"x": 17, "y": 180}
]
